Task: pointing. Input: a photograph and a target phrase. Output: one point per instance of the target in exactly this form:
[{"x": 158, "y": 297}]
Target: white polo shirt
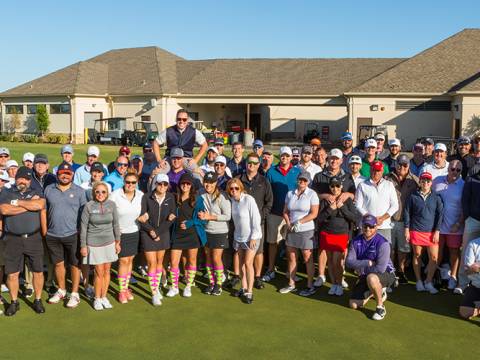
[
  {"x": 358, "y": 180},
  {"x": 434, "y": 170},
  {"x": 452, "y": 202},
  {"x": 312, "y": 170},
  {"x": 206, "y": 168},
  {"x": 128, "y": 211},
  {"x": 300, "y": 207}
]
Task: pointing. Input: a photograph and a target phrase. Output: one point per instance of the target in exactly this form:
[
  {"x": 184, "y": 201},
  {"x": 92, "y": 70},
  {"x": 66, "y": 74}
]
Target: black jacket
[
  {"x": 468, "y": 161},
  {"x": 337, "y": 222},
  {"x": 322, "y": 180},
  {"x": 471, "y": 197},
  {"x": 157, "y": 220},
  {"x": 261, "y": 191}
]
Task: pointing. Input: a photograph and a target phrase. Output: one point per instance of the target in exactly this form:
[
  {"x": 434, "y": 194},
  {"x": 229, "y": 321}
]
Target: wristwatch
[
  {"x": 14, "y": 202},
  {"x": 457, "y": 223}
]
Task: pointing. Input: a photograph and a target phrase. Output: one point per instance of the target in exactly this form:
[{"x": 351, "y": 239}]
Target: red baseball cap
[
  {"x": 426, "y": 175},
  {"x": 377, "y": 166},
  {"x": 124, "y": 149}
]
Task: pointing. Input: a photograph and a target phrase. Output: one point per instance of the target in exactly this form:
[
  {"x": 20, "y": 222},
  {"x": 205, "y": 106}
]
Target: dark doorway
[
  {"x": 255, "y": 124},
  {"x": 362, "y": 122},
  {"x": 456, "y": 128}
]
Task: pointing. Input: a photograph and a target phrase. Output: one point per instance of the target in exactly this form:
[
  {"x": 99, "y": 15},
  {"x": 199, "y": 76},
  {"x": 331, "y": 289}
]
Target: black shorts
[
  {"x": 60, "y": 248},
  {"x": 147, "y": 244},
  {"x": 20, "y": 251},
  {"x": 472, "y": 294},
  {"x": 362, "y": 292},
  {"x": 129, "y": 244},
  {"x": 217, "y": 241}
]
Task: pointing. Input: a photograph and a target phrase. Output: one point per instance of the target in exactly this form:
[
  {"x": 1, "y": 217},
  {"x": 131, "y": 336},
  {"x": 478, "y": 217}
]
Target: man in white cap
[
  {"x": 83, "y": 173},
  {"x": 382, "y": 153},
  {"x": 307, "y": 164},
  {"x": 439, "y": 166},
  {"x": 395, "y": 148},
  {"x": 355, "y": 164},
  {"x": 12, "y": 167},
  {"x": 28, "y": 160},
  {"x": 222, "y": 172},
  {"x": 283, "y": 178},
  {"x": 370, "y": 157},
  {"x": 67, "y": 156},
  {"x": 212, "y": 154},
  {"x": 4, "y": 157}
]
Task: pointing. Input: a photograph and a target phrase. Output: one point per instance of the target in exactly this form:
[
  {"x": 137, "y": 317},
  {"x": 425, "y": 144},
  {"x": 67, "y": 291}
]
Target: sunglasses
[
  {"x": 234, "y": 188},
  {"x": 131, "y": 182},
  {"x": 368, "y": 226},
  {"x": 425, "y": 180},
  {"x": 402, "y": 165},
  {"x": 100, "y": 192},
  {"x": 122, "y": 164},
  {"x": 457, "y": 170},
  {"x": 147, "y": 150},
  {"x": 303, "y": 180},
  {"x": 182, "y": 119},
  {"x": 257, "y": 147},
  {"x": 252, "y": 162},
  {"x": 284, "y": 155},
  {"x": 476, "y": 142},
  {"x": 220, "y": 164},
  {"x": 185, "y": 183},
  {"x": 177, "y": 159},
  {"x": 347, "y": 139},
  {"x": 334, "y": 186},
  {"x": 4, "y": 156},
  {"x": 296, "y": 156},
  {"x": 125, "y": 153},
  {"x": 163, "y": 184}
]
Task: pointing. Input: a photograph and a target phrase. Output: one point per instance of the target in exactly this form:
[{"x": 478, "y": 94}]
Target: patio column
[{"x": 248, "y": 116}]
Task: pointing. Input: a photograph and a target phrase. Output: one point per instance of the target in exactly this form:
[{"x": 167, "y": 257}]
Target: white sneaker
[
  {"x": 459, "y": 290},
  {"x": 173, "y": 291},
  {"x": 187, "y": 292},
  {"x": 74, "y": 301},
  {"x": 59, "y": 295},
  {"x": 384, "y": 294},
  {"x": 97, "y": 304},
  {"x": 344, "y": 283},
  {"x": 333, "y": 290},
  {"x": 339, "y": 290},
  {"x": 5, "y": 288},
  {"x": 269, "y": 275},
  {"x": 90, "y": 292},
  {"x": 142, "y": 271},
  {"x": 389, "y": 290},
  {"x": 287, "y": 274},
  {"x": 420, "y": 286},
  {"x": 320, "y": 281},
  {"x": 205, "y": 275},
  {"x": 133, "y": 281},
  {"x": 156, "y": 300},
  {"x": 160, "y": 296},
  {"x": 452, "y": 283},
  {"x": 106, "y": 304},
  {"x": 224, "y": 278},
  {"x": 380, "y": 313},
  {"x": 431, "y": 288}
]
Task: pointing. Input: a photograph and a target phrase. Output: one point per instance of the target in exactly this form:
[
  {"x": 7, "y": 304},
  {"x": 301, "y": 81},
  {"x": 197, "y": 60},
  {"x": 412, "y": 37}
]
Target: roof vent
[
  {"x": 144, "y": 82},
  {"x": 31, "y": 86}
]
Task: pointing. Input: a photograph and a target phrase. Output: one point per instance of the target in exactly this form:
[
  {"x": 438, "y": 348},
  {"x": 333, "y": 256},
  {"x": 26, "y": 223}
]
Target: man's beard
[{"x": 22, "y": 187}]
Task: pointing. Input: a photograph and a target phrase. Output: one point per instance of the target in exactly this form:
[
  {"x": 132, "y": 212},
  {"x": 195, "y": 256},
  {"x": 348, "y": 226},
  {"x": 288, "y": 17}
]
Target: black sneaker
[
  {"x": 184, "y": 280},
  {"x": 240, "y": 292},
  {"x": 402, "y": 279},
  {"x": 209, "y": 289},
  {"x": 258, "y": 284},
  {"x": 28, "y": 293},
  {"x": 217, "y": 290},
  {"x": 38, "y": 306},
  {"x": 249, "y": 299},
  {"x": 52, "y": 290},
  {"x": 13, "y": 308},
  {"x": 234, "y": 281}
]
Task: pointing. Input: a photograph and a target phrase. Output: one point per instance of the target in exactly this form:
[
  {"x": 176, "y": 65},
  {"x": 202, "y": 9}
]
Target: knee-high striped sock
[
  {"x": 219, "y": 275},
  {"x": 122, "y": 281},
  {"x": 129, "y": 275},
  {"x": 174, "y": 275},
  {"x": 191, "y": 272},
  {"x": 158, "y": 276},
  {"x": 209, "y": 268},
  {"x": 152, "y": 283}
]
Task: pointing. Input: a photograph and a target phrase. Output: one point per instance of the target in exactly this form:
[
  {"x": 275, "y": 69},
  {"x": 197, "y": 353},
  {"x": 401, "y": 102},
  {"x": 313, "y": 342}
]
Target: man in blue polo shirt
[
  {"x": 283, "y": 178},
  {"x": 348, "y": 151},
  {"x": 82, "y": 174},
  {"x": 67, "y": 156},
  {"x": 115, "y": 179}
]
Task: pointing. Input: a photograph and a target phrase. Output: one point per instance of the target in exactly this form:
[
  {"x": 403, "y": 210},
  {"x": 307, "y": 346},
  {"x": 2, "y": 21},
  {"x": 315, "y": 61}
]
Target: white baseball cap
[
  {"x": 336, "y": 152},
  {"x": 379, "y": 136},
  {"x": 440, "y": 146},
  {"x": 28, "y": 157},
  {"x": 221, "y": 159},
  {"x": 214, "y": 149},
  {"x": 161, "y": 178},
  {"x": 11, "y": 163},
  {"x": 395, "y": 142},
  {"x": 286, "y": 150},
  {"x": 3, "y": 175},
  {"x": 93, "y": 150},
  {"x": 370, "y": 143},
  {"x": 355, "y": 159},
  {"x": 136, "y": 157}
]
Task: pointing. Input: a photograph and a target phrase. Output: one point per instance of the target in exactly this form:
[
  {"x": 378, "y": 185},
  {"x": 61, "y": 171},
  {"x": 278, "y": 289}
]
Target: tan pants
[{"x": 50, "y": 280}]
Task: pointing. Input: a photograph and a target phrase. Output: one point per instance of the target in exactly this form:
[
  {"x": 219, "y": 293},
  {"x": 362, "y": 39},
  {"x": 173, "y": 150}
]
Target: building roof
[{"x": 451, "y": 65}]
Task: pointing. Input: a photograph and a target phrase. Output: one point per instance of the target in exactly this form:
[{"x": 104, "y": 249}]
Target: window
[
  {"x": 193, "y": 115},
  {"x": 31, "y": 109},
  {"x": 10, "y": 109},
  {"x": 423, "y": 105},
  {"x": 59, "y": 109}
]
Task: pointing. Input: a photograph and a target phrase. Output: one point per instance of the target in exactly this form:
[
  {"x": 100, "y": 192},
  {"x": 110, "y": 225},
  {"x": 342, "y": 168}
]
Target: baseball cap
[
  {"x": 418, "y": 146},
  {"x": 286, "y": 150},
  {"x": 65, "y": 167},
  {"x": 347, "y": 136},
  {"x": 24, "y": 172},
  {"x": 4, "y": 151},
  {"x": 28, "y": 157},
  {"x": 185, "y": 178},
  {"x": 218, "y": 141},
  {"x": 11, "y": 163},
  {"x": 67, "y": 149},
  {"x": 221, "y": 159},
  {"x": 464, "y": 139},
  {"x": 355, "y": 159},
  {"x": 403, "y": 159},
  {"x": 93, "y": 151},
  {"x": 40, "y": 158},
  {"x": 336, "y": 181},
  {"x": 430, "y": 141},
  {"x": 214, "y": 149},
  {"x": 476, "y": 137},
  {"x": 147, "y": 145},
  {"x": 304, "y": 175},
  {"x": 97, "y": 166},
  {"x": 210, "y": 176},
  {"x": 426, "y": 175},
  {"x": 266, "y": 151},
  {"x": 124, "y": 149},
  {"x": 440, "y": 146},
  {"x": 336, "y": 152},
  {"x": 369, "y": 220},
  {"x": 395, "y": 142},
  {"x": 377, "y": 166},
  {"x": 295, "y": 151},
  {"x": 379, "y": 136},
  {"x": 258, "y": 143},
  {"x": 315, "y": 141},
  {"x": 3, "y": 175},
  {"x": 136, "y": 157},
  {"x": 370, "y": 143},
  {"x": 177, "y": 153},
  {"x": 161, "y": 178},
  {"x": 307, "y": 149}
]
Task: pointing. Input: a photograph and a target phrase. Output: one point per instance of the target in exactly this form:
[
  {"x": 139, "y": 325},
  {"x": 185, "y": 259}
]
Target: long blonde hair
[{"x": 235, "y": 181}]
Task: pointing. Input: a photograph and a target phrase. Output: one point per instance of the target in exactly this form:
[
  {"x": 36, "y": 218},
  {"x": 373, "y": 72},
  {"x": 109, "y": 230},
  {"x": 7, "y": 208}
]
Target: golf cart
[
  {"x": 110, "y": 130},
  {"x": 143, "y": 131},
  {"x": 366, "y": 132},
  {"x": 208, "y": 133},
  {"x": 311, "y": 132}
]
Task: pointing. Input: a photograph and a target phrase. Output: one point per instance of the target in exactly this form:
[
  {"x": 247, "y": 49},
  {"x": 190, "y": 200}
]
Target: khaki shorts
[
  {"x": 276, "y": 229},
  {"x": 398, "y": 237}
]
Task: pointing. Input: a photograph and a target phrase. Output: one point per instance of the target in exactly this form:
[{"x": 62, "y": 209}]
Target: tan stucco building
[{"x": 436, "y": 92}]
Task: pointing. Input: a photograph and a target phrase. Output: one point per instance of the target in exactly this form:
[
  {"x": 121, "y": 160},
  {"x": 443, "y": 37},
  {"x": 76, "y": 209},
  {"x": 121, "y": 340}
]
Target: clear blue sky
[{"x": 39, "y": 37}]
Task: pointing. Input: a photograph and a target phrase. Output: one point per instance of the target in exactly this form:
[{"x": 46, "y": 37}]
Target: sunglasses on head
[
  {"x": 252, "y": 162},
  {"x": 100, "y": 192},
  {"x": 368, "y": 226},
  {"x": 425, "y": 180},
  {"x": 457, "y": 170},
  {"x": 182, "y": 119},
  {"x": 130, "y": 182}
]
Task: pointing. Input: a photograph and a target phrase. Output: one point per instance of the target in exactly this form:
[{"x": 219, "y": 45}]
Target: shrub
[
  {"x": 2, "y": 137},
  {"x": 40, "y": 140},
  {"x": 51, "y": 138},
  {"x": 42, "y": 119},
  {"x": 7, "y": 137},
  {"x": 62, "y": 139},
  {"x": 15, "y": 139},
  {"x": 27, "y": 137},
  {"x": 33, "y": 140}
]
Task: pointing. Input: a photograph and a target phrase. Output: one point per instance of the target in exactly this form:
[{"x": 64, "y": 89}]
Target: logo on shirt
[
  {"x": 96, "y": 212},
  {"x": 29, "y": 196},
  {"x": 108, "y": 209},
  {"x": 71, "y": 195}
]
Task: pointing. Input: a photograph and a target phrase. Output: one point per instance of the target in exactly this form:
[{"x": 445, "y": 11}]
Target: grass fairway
[{"x": 275, "y": 326}]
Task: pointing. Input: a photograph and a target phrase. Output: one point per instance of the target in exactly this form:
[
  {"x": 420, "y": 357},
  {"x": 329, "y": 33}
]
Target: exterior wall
[
  {"x": 135, "y": 107},
  {"x": 84, "y": 105},
  {"x": 404, "y": 125},
  {"x": 469, "y": 114},
  {"x": 209, "y": 113}
]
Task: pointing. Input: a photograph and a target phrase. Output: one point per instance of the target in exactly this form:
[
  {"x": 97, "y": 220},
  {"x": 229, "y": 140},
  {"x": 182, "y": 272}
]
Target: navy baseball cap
[
  {"x": 97, "y": 166},
  {"x": 464, "y": 139},
  {"x": 147, "y": 145},
  {"x": 218, "y": 141},
  {"x": 210, "y": 176},
  {"x": 64, "y": 167},
  {"x": 24, "y": 172}
]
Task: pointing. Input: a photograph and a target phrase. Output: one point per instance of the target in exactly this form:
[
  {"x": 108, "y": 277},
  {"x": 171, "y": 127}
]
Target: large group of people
[{"x": 180, "y": 214}]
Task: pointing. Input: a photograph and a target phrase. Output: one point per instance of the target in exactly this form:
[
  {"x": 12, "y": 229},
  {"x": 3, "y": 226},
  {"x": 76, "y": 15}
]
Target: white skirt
[{"x": 100, "y": 255}]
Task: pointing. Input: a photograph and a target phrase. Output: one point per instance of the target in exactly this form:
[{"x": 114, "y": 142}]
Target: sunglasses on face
[
  {"x": 402, "y": 165},
  {"x": 335, "y": 186},
  {"x": 162, "y": 184},
  {"x": 257, "y": 147},
  {"x": 185, "y": 184},
  {"x": 457, "y": 170},
  {"x": 295, "y": 156},
  {"x": 252, "y": 162},
  {"x": 176, "y": 159},
  {"x": 125, "y": 153},
  {"x": 122, "y": 164},
  {"x": 234, "y": 188},
  {"x": 182, "y": 119},
  {"x": 220, "y": 164},
  {"x": 130, "y": 182},
  {"x": 425, "y": 180},
  {"x": 303, "y": 180},
  {"x": 284, "y": 155},
  {"x": 476, "y": 142},
  {"x": 4, "y": 156},
  {"x": 367, "y": 226},
  {"x": 100, "y": 192},
  {"x": 147, "y": 150}
]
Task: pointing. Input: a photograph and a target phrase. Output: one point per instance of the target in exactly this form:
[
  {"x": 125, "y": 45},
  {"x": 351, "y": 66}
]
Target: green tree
[
  {"x": 42, "y": 119},
  {"x": 15, "y": 121}
]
